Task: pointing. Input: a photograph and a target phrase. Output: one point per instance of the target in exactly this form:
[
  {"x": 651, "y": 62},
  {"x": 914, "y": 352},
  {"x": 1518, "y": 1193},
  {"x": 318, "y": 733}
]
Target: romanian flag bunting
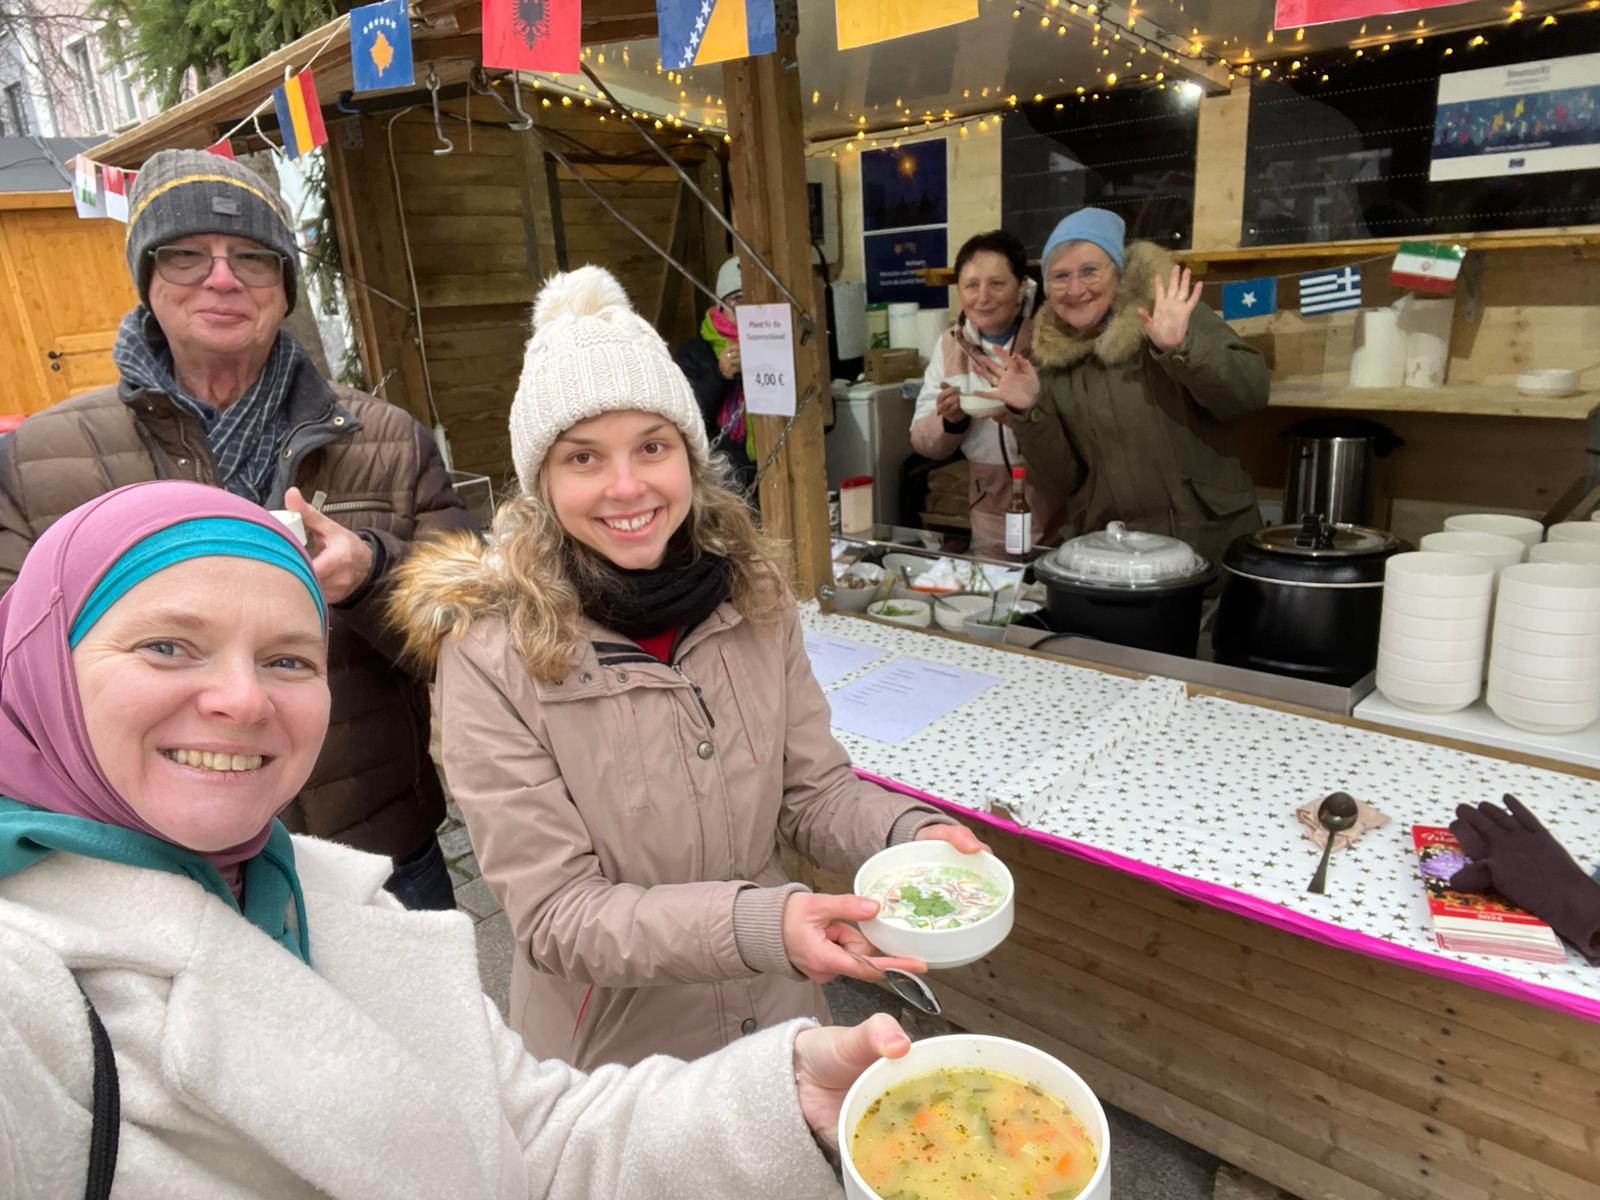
[
  {"x": 222, "y": 148},
  {"x": 1250, "y": 298},
  {"x": 117, "y": 182},
  {"x": 863, "y": 22},
  {"x": 696, "y": 32},
  {"x": 1427, "y": 267},
  {"x": 299, "y": 115},
  {"x": 87, "y": 197},
  {"x": 380, "y": 46},
  {"x": 532, "y": 35}
]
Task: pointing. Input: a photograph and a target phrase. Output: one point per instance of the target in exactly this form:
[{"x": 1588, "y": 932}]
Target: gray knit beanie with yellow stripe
[{"x": 182, "y": 192}]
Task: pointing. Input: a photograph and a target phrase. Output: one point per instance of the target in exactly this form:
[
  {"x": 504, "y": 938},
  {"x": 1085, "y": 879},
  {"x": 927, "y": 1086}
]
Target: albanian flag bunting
[{"x": 532, "y": 35}]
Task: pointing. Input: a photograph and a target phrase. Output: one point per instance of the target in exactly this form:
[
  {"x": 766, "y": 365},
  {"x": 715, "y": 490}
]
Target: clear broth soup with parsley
[
  {"x": 935, "y": 897},
  {"x": 971, "y": 1134}
]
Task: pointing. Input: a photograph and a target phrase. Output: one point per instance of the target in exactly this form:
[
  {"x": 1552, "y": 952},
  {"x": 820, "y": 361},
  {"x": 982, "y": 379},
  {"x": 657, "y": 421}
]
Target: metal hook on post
[
  {"x": 478, "y": 81},
  {"x": 448, "y": 146},
  {"x": 524, "y": 122}
]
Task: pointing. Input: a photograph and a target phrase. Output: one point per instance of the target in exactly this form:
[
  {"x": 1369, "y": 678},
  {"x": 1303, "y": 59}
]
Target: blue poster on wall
[
  {"x": 905, "y": 186},
  {"x": 895, "y": 262}
]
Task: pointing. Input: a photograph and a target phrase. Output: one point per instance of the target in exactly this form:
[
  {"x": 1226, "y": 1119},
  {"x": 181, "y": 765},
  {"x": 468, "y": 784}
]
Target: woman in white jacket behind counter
[{"x": 195, "y": 1004}]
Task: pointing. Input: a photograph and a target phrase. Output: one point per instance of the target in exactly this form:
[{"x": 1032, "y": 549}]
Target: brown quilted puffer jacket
[{"x": 374, "y": 786}]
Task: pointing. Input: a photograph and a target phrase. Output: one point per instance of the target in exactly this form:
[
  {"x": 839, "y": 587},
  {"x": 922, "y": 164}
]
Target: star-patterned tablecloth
[{"x": 1208, "y": 798}]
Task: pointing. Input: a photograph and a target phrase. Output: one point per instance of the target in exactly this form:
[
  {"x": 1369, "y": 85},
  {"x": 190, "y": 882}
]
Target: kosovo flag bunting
[
  {"x": 532, "y": 35},
  {"x": 696, "y": 32},
  {"x": 299, "y": 115},
  {"x": 863, "y": 22},
  {"x": 380, "y": 46}
]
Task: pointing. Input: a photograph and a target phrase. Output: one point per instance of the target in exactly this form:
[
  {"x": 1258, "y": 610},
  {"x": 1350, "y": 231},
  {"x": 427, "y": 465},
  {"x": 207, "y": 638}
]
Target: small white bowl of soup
[
  {"x": 971, "y": 1115},
  {"x": 936, "y": 903}
]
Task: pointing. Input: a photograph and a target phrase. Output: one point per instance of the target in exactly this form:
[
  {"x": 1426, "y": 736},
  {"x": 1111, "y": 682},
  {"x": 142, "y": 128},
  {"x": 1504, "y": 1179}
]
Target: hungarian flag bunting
[
  {"x": 299, "y": 115},
  {"x": 863, "y": 22},
  {"x": 1427, "y": 267},
  {"x": 532, "y": 35},
  {"x": 117, "y": 183},
  {"x": 86, "y": 195},
  {"x": 696, "y": 32},
  {"x": 222, "y": 148}
]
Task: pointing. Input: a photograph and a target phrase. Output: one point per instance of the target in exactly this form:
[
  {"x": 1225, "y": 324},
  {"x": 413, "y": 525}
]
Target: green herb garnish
[{"x": 930, "y": 905}]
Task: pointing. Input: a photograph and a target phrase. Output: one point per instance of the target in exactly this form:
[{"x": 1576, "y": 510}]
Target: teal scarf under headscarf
[{"x": 28, "y": 834}]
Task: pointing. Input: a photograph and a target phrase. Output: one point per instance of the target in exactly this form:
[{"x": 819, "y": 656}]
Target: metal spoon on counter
[{"x": 1336, "y": 813}]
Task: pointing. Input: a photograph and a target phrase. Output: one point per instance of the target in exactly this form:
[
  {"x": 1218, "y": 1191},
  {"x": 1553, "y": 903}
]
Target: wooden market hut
[{"x": 1332, "y": 1074}]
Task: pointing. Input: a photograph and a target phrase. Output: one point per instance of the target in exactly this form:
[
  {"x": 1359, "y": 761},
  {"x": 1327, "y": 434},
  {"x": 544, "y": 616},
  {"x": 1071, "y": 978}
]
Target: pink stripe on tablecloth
[{"x": 1268, "y": 913}]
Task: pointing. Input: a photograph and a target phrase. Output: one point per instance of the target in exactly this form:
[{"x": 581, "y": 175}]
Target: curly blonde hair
[{"x": 532, "y": 573}]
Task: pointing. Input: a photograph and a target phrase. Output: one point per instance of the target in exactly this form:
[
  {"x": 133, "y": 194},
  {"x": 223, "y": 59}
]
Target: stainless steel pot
[
  {"x": 1304, "y": 600},
  {"x": 1334, "y": 470}
]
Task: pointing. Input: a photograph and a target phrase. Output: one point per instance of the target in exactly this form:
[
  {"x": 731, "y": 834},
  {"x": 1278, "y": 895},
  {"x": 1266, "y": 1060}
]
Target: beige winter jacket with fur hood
[
  {"x": 627, "y": 818},
  {"x": 1125, "y": 433}
]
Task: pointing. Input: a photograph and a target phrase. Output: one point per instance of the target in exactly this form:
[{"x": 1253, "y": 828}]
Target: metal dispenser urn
[{"x": 1335, "y": 470}]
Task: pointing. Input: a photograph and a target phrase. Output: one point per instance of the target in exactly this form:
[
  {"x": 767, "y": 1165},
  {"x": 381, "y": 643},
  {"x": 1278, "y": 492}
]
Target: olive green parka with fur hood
[{"x": 1123, "y": 432}]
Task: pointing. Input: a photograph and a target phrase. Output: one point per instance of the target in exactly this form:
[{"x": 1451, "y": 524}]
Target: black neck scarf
[{"x": 683, "y": 591}]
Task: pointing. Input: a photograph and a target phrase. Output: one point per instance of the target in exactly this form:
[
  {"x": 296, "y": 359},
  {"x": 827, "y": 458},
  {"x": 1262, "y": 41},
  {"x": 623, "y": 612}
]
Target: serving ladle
[{"x": 1336, "y": 813}]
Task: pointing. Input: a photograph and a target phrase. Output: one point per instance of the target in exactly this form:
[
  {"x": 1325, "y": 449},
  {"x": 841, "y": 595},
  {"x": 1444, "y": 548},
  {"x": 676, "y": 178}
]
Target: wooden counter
[{"x": 1333, "y": 1074}]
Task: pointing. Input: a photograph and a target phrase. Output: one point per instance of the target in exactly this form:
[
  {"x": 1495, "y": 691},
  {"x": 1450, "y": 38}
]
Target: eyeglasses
[
  {"x": 186, "y": 266},
  {"x": 1058, "y": 281}
]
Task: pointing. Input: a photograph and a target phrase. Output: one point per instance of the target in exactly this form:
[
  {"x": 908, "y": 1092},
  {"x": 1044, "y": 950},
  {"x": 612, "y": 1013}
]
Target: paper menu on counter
[
  {"x": 898, "y": 699},
  {"x": 833, "y": 658}
]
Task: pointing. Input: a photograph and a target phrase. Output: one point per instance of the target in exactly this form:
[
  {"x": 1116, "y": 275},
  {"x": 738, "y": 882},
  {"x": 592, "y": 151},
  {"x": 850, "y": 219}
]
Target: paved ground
[{"x": 1146, "y": 1163}]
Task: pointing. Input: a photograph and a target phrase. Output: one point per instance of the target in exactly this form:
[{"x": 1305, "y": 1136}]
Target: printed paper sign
[
  {"x": 766, "y": 356},
  {"x": 1525, "y": 119},
  {"x": 892, "y": 702}
]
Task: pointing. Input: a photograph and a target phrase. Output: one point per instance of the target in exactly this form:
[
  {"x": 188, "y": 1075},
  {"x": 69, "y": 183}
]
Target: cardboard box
[{"x": 892, "y": 366}]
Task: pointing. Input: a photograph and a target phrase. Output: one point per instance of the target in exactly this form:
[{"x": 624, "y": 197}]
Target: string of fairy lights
[{"x": 1132, "y": 54}]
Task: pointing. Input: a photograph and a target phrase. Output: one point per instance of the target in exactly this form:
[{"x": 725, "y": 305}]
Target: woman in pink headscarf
[{"x": 193, "y": 1003}]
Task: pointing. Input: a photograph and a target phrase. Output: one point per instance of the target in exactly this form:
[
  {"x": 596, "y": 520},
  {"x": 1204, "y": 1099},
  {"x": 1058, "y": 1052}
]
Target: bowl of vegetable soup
[
  {"x": 971, "y": 1117},
  {"x": 936, "y": 903}
]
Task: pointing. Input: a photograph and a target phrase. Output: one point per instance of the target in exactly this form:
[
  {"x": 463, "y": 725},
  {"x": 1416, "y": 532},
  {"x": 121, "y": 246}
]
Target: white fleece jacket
[{"x": 382, "y": 1072}]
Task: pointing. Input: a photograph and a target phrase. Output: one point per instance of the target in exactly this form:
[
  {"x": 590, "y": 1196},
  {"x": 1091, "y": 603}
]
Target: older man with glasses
[{"x": 212, "y": 389}]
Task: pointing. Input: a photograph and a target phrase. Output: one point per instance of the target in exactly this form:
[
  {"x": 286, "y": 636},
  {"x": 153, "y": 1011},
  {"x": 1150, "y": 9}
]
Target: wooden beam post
[
  {"x": 1219, "y": 183},
  {"x": 768, "y": 172},
  {"x": 352, "y": 255}
]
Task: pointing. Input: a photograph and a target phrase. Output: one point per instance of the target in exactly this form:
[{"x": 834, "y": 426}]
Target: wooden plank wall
[
  {"x": 486, "y": 223},
  {"x": 1333, "y": 1075}
]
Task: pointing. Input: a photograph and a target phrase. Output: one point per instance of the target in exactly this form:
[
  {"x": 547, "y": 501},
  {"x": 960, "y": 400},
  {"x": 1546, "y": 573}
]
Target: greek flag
[{"x": 1330, "y": 291}]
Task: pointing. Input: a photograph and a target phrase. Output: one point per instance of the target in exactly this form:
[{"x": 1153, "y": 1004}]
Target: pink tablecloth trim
[{"x": 1268, "y": 913}]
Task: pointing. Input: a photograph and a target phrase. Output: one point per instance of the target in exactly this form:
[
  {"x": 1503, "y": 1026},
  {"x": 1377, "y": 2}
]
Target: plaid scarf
[{"x": 244, "y": 437}]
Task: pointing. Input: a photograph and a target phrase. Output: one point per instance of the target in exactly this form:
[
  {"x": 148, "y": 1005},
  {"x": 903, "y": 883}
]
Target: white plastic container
[
  {"x": 1525, "y": 529},
  {"x": 1502, "y": 551},
  {"x": 978, "y": 1050},
  {"x": 1587, "y": 532},
  {"x": 903, "y": 331},
  {"x": 1379, "y": 357},
  {"x": 295, "y": 523},
  {"x": 1578, "y": 553},
  {"x": 1420, "y": 573},
  {"x": 1426, "y": 325},
  {"x": 855, "y": 504}
]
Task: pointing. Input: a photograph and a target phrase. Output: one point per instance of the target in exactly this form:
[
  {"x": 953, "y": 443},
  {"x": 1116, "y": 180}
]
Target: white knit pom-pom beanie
[{"x": 590, "y": 353}]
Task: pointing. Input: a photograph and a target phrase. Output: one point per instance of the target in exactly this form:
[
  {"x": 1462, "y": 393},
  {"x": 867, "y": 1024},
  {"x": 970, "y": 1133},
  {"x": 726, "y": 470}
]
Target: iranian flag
[{"x": 1427, "y": 267}]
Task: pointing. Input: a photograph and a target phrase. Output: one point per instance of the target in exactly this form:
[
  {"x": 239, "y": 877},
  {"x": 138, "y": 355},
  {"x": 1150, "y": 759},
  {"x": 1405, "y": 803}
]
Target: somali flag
[
  {"x": 696, "y": 32},
  {"x": 299, "y": 115}
]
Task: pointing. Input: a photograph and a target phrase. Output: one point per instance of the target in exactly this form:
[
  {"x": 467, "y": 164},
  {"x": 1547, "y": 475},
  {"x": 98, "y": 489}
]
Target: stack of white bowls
[
  {"x": 1544, "y": 667},
  {"x": 1434, "y": 627},
  {"x": 1581, "y": 553},
  {"x": 1499, "y": 549},
  {"x": 1583, "y": 532},
  {"x": 1525, "y": 529}
]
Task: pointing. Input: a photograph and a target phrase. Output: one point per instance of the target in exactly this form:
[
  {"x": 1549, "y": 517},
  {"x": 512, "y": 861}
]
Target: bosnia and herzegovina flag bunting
[
  {"x": 863, "y": 22},
  {"x": 299, "y": 115},
  {"x": 696, "y": 32},
  {"x": 532, "y": 35},
  {"x": 380, "y": 46}
]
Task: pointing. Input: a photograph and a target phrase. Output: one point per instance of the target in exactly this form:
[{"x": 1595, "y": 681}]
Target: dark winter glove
[{"x": 1516, "y": 856}]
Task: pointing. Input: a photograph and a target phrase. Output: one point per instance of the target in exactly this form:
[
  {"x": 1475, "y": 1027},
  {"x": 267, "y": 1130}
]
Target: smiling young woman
[{"x": 630, "y": 723}]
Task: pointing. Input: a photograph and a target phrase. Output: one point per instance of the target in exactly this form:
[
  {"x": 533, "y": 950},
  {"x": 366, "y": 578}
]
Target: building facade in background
[{"x": 58, "y": 78}]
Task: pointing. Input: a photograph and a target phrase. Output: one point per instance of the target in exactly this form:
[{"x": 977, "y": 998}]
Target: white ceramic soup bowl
[
  {"x": 939, "y": 948},
  {"x": 1433, "y": 629},
  {"x": 1548, "y": 645},
  {"x": 1566, "y": 587},
  {"x": 969, "y": 1050},
  {"x": 1453, "y": 608},
  {"x": 1559, "y": 691},
  {"x": 1573, "y": 623},
  {"x": 856, "y": 599},
  {"x": 951, "y": 612},
  {"x": 1429, "y": 573},
  {"x": 903, "y": 611},
  {"x": 908, "y": 565},
  {"x": 1581, "y": 554},
  {"x": 1418, "y": 670},
  {"x": 1525, "y": 529},
  {"x": 1502, "y": 551},
  {"x": 1545, "y": 666},
  {"x": 1539, "y": 716},
  {"x": 1428, "y": 697},
  {"x": 1429, "y": 651},
  {"x": 1587, "y": 532}
]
